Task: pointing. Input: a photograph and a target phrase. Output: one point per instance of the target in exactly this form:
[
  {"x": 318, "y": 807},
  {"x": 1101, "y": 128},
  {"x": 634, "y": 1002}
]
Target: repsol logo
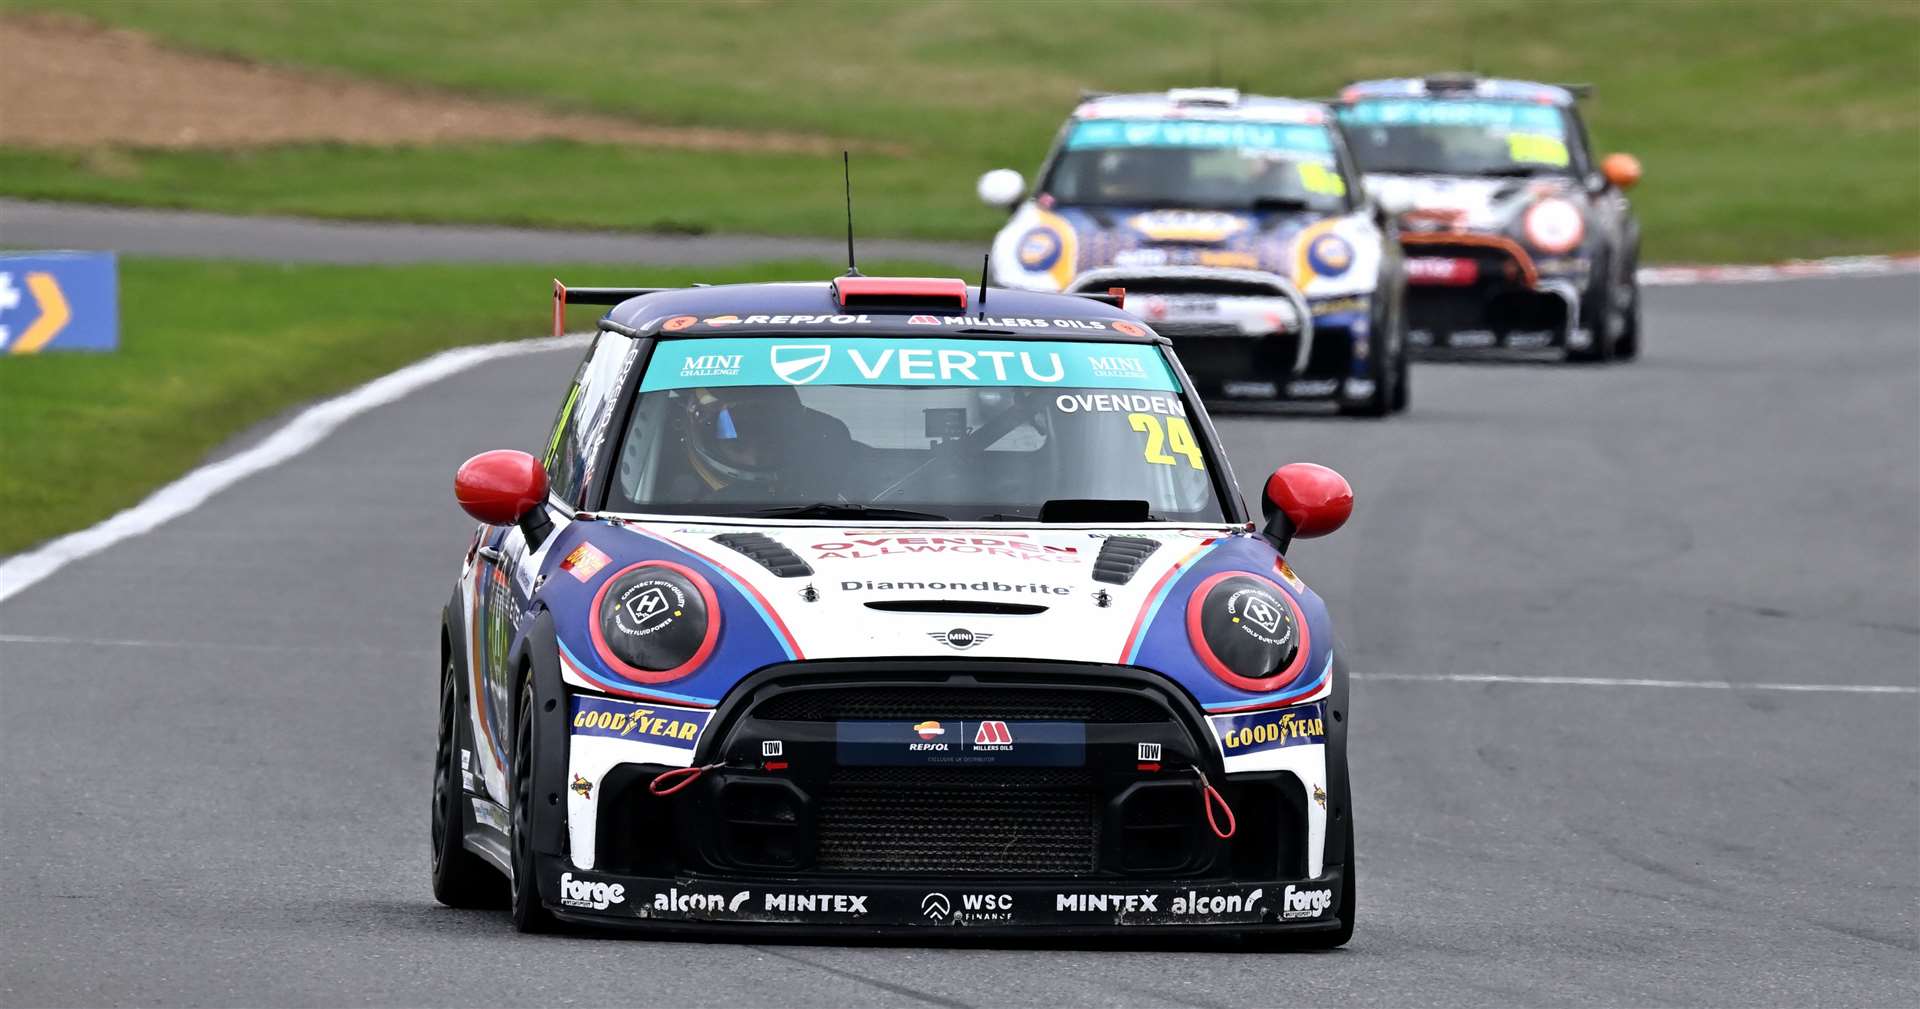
[
  {"x": 1298, "y": 903},
  {"x": 588, "y": 893},
  {"x": 639, "y": 722}
]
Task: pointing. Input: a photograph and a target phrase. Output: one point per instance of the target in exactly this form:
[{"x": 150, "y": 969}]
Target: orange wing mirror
[{"x": 1623, "y": 170}]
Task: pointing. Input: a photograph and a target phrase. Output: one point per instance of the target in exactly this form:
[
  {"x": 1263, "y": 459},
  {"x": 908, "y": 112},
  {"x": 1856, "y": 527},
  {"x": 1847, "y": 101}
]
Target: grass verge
[
  {"x": 1768, "y": 129},
  {"x": 211, "y": 348}
]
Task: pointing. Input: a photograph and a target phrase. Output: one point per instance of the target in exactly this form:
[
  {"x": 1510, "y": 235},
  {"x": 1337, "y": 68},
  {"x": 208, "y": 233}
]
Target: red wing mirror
[
  {"x": 1305, "y": 500},
  {"x": 501, "y": 486},
  {"x": 1623, "y": 170}
]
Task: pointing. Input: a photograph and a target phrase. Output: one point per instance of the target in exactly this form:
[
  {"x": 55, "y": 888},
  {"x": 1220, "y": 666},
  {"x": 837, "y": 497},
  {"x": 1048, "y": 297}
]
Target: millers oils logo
[{"x": 587, "y": 893}]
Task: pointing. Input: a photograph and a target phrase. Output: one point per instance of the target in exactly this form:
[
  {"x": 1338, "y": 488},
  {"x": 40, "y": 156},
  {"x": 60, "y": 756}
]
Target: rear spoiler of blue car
[{"x": 564, "y": 296}]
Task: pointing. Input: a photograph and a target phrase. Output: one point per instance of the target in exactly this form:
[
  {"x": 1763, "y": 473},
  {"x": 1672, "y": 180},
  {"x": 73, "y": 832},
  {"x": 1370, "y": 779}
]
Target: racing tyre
[
  {"x": 528, "y": 913},
  {"x": 1386, "y": 376},
  {"x": 1402, "y": 372},
  {"x": 1626, "y": 346},
  {"x": 460, "y": 877},
  {"x": 1348, "y": 905},
  {"x": 1598, "y": 306}
]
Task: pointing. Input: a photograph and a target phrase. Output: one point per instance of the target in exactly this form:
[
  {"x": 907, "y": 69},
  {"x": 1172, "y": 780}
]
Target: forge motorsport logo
[{"x": 653, "y": 619}]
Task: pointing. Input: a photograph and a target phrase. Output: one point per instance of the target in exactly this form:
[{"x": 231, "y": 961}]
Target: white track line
[
  {"x": 1598, "y": 681},
  {"x": 299, "y": 434}
]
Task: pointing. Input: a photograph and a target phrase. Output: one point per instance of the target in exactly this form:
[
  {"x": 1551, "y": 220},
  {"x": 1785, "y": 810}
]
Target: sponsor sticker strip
[{"x": 1298, "y": 902}]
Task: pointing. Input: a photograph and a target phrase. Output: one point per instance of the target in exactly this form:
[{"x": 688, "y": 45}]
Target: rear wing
[
  {"x": 881, "y": 290},
  {"x": 564, "y": 296}
]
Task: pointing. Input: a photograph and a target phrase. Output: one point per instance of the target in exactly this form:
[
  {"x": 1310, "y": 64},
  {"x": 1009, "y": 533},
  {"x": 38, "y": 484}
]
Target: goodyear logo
[
  {"x": 647, "y": 723},
  {"x": 1270, "y": 730}
]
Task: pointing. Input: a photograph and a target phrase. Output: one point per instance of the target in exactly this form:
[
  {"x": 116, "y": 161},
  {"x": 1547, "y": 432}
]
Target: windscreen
[
  {"x": 961, "y": 430},
  {"x": 1458, "y": 137},
  {"x": 1198, "y": 163}
]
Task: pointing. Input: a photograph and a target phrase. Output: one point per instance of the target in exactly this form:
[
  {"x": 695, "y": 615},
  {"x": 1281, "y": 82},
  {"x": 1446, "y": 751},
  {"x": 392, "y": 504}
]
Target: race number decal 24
[{"x": 1176, "y": 436}]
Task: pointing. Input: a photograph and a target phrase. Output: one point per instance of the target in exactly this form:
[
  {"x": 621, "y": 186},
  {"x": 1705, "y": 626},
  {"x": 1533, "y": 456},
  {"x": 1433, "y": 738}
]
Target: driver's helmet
[
  {"x": 733, "y": 434},
  {"x": 1129, "y": 175}
]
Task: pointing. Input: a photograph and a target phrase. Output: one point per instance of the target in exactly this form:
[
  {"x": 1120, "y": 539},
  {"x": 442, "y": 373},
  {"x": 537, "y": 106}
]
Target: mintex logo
[{"x": 587, "y": 893}]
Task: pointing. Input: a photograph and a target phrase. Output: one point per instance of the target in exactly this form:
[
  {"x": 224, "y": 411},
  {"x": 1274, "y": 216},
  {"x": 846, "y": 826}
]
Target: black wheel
[
  {"x": 1626, "y": 346},
  {"x": 1401, "y": 384},
  {"x": 1598, "y": 312},
  {"x": 460, "y": 877},
  {"x": 1348, "y": 906},
  {"x": 1385, "y": 375},
  {"x": 528, "y": 914}
]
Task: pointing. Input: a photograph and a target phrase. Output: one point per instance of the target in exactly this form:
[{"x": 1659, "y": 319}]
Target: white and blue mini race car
[
  {"x": 869, "y": 606},
  {"x": 1237, "y": 225}
]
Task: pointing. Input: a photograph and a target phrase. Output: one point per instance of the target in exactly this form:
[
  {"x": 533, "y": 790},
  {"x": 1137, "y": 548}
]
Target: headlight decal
[
  {"x": 1554, "y": 225},
  {"x": 1248, "y": 631},
  {"x": 655, "y": 621},
  {"x": 1330, "y": 255}
]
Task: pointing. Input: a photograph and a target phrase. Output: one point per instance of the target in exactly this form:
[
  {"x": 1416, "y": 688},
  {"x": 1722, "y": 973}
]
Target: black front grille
[
  {"x": 837, "y": 704},
  {"x": 997, "y": 820}
]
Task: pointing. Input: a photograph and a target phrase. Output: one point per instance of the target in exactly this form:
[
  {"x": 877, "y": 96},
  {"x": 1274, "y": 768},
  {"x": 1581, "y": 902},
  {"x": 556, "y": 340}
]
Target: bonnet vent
[
  {"x": 1120, "y": 558},
  {"x": 767, "y": 552}
]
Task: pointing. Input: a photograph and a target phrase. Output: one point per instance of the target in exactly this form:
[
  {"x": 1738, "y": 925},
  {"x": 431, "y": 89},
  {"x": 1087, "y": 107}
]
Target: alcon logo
[{"x": 587, "y": 893}]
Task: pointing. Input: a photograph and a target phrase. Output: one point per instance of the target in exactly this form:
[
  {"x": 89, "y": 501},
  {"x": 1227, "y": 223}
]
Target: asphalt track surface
[
  {"x": 216, "y": 737},
  {"x": 188, "y": 234}
]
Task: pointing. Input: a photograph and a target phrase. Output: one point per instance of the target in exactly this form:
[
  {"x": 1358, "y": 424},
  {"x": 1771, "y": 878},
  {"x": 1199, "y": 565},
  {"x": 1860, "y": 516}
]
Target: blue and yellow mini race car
[{"x": 890, "y": 604}]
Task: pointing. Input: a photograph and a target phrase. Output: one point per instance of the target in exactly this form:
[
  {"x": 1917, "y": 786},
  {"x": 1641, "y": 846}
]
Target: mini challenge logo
[{"x": 798, "y": 364}]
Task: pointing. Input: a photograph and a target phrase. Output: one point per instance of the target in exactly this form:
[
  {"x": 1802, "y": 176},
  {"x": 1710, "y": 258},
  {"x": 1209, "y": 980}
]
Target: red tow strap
[
  {"x": 1210, "y": 798},
  {"x": 672, "y": 781}
]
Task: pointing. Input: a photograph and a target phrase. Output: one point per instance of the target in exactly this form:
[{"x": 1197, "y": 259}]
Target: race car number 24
[{"x": 1175, "y": 436}]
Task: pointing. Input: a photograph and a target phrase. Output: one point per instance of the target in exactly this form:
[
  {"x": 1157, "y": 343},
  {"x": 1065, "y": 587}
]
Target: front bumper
[
  {"x": 843, "y": 794},
  {"x": 982, "y": 907},
  {"x": 1471, "y": 292}
]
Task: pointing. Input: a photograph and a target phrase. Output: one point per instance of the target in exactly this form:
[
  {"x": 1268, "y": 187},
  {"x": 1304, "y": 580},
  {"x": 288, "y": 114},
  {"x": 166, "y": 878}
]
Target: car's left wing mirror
[
  {"x": 504, "y": 487},
  {"x": 1304, "y": 500}
]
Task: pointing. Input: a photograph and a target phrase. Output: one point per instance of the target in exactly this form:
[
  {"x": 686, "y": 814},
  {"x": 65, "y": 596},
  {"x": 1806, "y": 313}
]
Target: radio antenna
[
  {"x": 846, "y": 174},
  {"x": 985, "y": 262}
]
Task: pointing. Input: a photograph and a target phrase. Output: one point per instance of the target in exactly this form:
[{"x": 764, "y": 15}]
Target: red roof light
[{"x": 900, "y": 291}]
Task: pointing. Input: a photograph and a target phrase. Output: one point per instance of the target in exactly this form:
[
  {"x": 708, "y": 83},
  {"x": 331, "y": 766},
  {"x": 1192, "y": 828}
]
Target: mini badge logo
[
  {"x": 582, "y": 787},
  {"x": 929, "y": 729},
  {"x": 800, "y": 363},
  {"x": 959, "y": 638}
]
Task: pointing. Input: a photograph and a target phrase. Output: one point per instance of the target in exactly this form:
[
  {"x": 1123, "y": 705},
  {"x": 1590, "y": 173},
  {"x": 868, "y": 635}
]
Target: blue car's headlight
[
  {"x": 1247, "y": 631},
  {"x": 655, "y": 621}
]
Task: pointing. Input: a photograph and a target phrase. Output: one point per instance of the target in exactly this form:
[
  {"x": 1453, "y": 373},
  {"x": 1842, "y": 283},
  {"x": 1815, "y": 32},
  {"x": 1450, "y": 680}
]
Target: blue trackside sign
[{"x": 59, "y": 301}]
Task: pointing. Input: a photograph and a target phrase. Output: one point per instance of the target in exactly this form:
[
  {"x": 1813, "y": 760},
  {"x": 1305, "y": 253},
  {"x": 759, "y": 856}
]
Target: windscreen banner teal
[
  {"x": 1199, "y": 133},
  {"x": 1529, "y": 116},
  {"x": 681, "y": 364}
]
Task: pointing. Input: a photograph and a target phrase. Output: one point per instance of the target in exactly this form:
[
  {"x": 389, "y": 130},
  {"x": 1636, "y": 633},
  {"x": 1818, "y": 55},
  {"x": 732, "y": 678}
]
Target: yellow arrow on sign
[{"x": 53, "y": 314}]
